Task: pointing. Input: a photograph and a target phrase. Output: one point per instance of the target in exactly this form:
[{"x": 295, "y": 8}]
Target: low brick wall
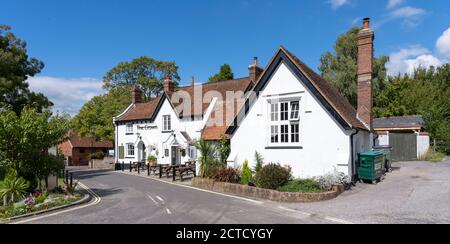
[
  {"x": 272, "y": 195},
  {"x": 106, "y": 163}
]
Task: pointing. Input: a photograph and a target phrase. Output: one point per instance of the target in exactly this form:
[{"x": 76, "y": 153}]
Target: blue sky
[{"x": 80, "y": 40}]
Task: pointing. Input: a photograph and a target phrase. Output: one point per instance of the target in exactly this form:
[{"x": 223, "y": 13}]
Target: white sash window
[
  {"x": 284, "y": 124},
  {"x": 130, "y": 150}
]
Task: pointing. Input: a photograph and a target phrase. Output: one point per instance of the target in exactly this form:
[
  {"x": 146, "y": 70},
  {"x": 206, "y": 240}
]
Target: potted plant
[{"x": 152, "y": 160}]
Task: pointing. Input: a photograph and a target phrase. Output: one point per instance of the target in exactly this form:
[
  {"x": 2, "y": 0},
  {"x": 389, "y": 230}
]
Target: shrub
[
  {"x": 434, "y": 157},
  {"x": 272, "y": 176},
  {"x": 307, "y": 185},
  {"x": 40, "y": 198},
  {"x": 331, "y": 179},
  {"x": 13, "y": 189},
  {"x": 226, "y": 174},
  {"x": 259, "y": 162},
  {"x": 96, "y": 155},
  {"x": 207, "y": 160},
  {"x": 246, "y": 175}
]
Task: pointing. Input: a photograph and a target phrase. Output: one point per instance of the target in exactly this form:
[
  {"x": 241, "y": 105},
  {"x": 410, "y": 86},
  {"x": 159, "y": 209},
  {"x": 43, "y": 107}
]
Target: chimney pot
[
  {"x": 255, "y": 61},
  {"x": 254, "y": 70},
  {"x": 168, "y": 84},
  {"x": 366, "y": 23}
]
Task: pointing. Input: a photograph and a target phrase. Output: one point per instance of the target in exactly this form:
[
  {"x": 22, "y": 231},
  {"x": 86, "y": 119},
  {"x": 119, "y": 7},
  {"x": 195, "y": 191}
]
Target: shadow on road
[{"x": 107, "y": 192}]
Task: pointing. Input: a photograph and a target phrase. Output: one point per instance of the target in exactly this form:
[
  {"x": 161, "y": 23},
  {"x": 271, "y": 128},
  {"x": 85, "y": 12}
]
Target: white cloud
[
  {"x": 408, "y": 59},
  {"x": 394, "y": 3},
  {"x": 335, "y": 4},
  {"x": 409, "y": 16},
  {"x": 68, "y": 95},
  {"x": 443, "y": 44}
]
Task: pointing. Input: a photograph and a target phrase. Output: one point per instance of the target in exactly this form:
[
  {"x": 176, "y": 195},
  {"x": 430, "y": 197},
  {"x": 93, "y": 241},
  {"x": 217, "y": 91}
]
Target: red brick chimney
[
  {"x": 365, "y": 71},
  {"x": 136, "y": 94},
  {"x": 169, "y": 85},
  {"x": 254, "y": 70}
]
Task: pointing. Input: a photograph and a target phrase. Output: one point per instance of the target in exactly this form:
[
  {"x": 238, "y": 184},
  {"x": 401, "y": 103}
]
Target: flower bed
[
  {"x": 37, "y": 203},
  {"x": 273, "y": 195}
]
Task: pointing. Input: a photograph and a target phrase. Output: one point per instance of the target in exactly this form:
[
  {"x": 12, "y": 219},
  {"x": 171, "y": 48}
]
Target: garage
[{"x": 405, "y": 135}]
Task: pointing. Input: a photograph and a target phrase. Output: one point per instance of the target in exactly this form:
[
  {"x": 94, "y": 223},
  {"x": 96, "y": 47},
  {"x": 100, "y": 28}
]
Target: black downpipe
[{"x": 354, "y": 174}]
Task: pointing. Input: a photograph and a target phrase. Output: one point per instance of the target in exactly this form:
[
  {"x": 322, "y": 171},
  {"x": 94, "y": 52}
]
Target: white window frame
[
  {"x": 131, "y": 150},
  {"x": 129, "y": 128},
  {"x": 167, "y": 123},
  {"x": 281, "y": 129}
]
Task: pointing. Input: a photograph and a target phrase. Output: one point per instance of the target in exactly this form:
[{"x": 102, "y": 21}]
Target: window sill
[
  {"x": 129, "y": 134},
  {"x": 283, "y": 147},
  {"x": 166, "y": 131}
]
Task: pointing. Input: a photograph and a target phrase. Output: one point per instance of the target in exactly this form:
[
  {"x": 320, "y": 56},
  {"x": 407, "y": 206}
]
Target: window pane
[
  {"x": 295, "y": 136},
  {"x": 274, "y": 112},
  {"x": 274, "y": 134},
  {"x": 284, "y": 111},
  {"x": 284, "y": 133},
  {"x": 295, "y": 107}
]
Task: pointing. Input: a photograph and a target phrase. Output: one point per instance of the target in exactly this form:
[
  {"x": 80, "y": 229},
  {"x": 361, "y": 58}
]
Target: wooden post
[
  {"x": 71, "y": 180},
  {"x": 173, "y": 174},
  {"x": 160, "y": 171},
  {"x": 148, "y": 169},
  {"x": 67, "y": 177},
  {"x": 123, "y": 166},
  {"x": 130, "y": 167}
]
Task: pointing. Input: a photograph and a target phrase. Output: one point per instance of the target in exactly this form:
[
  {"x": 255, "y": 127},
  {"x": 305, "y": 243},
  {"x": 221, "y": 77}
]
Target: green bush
[
  {"x": 272, "y": 176},
  {"x": 306, "y": 185},
  {"x": 226, "y": 174},
  {"x": 96, "y": 155},
  {"x": 13, "y": 189},
  {"x": 434, "y": 157},
  {"x": 152, "y": 158},
  {"x": 246, "y": 175},
  {"x": 259, "y": 162}
]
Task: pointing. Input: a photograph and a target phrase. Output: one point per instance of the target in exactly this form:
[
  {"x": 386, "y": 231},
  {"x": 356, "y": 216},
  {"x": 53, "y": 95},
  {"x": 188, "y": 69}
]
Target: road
[{"x": 127, "y": 199}]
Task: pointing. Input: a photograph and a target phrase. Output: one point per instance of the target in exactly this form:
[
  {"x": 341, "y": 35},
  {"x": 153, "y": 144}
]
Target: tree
[
  {"x": 425, "y": 92},
  {"x": 15, "y": 68},
  {"x": 340, "y": 67},
  {"x": 95, "y": 117},
  {"x": 259, "y": 162},
  {"x": 146, "y": 72},
  {"x": 225, "y": 74},
  {"x": 25, "y": 140}
]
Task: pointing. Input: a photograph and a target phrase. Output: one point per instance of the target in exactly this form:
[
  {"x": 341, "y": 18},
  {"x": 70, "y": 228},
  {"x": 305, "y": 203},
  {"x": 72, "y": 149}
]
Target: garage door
[{"x": 404, "y": 146}]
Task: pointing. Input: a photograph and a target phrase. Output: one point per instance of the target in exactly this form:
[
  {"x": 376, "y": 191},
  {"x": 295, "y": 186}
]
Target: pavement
[{"x": 416, "y": 192}]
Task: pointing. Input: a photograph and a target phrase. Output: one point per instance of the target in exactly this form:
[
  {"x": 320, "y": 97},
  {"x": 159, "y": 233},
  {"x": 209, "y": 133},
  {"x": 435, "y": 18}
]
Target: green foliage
[
  {"x": 306, "y": 185},
  {"x": 259, "y": 162},
  {"x": 146, "y": 72},
  {"x": 272, "y": 176},
  {"x": 434, "y": 157},
  {"x": 152, "y": 158},
  {"x": 95, "y": 118},
  {"x": 13, "y": 189},
  {"x": 246, "y": 175},
  {"x": 96, "y": 155},
  {"x": 425, "y": 92},
  {"x": 224, "y": 149},
  {"x": 226, "y": 174},
  {"x": 225, "y": 74},
  {"x": 71, "y": 189},
  {"x": 340, "y": 67},
  {"x": 15, "y": 68},
  {"x": 207, "y": 158},
  {"x": 41, "y": 198},
  {"x": 25, "y": 139}
]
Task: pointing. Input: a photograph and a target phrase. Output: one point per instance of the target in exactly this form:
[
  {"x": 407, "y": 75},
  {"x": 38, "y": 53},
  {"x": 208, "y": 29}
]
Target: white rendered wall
[{"x": 325, "y": 144}]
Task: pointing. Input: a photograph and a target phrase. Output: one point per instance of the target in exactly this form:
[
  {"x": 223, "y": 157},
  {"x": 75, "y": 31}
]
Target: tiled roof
[
  {"x": 87, "y": 142},
  {"x": 222, "y": 116},
  {"x": 414, "y": 121},
  {"x": 140, "y": 111},
  {"x": 209, "y": 91},
  {"x": 329, "y": 92}
]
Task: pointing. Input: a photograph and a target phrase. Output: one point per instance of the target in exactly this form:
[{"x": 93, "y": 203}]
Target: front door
[{"x": 175, "y": 155}]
